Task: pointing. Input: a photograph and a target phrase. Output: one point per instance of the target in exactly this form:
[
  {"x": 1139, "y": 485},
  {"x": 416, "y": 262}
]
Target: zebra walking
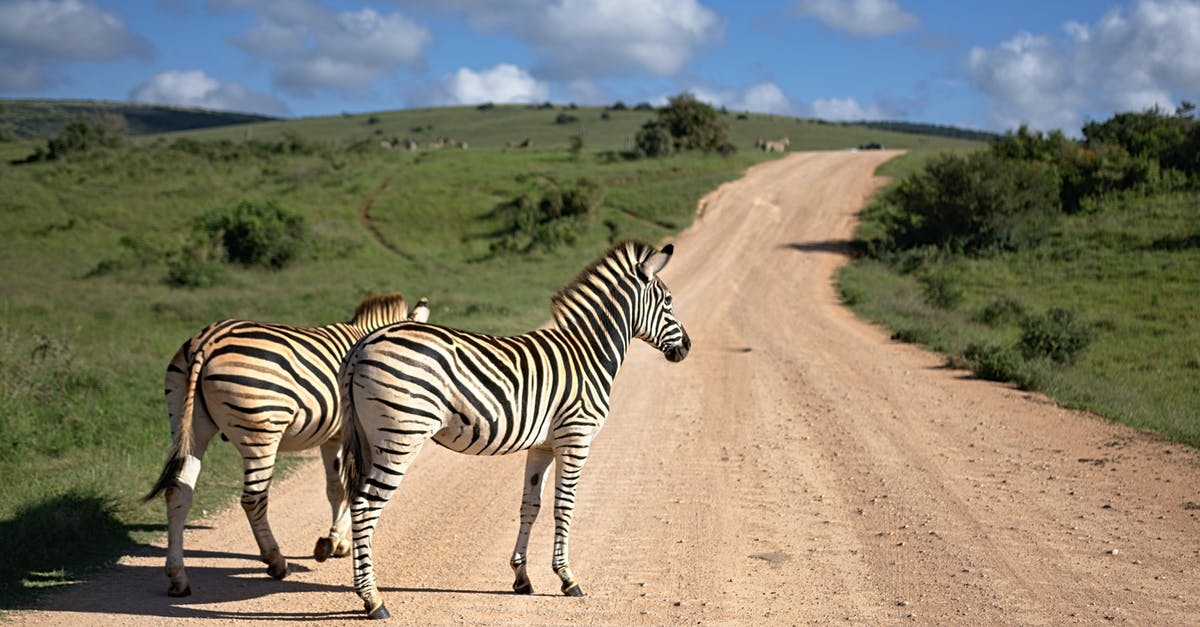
[
  {"x": 265, "y": 388},
  {"x": 545, "y": 392}
]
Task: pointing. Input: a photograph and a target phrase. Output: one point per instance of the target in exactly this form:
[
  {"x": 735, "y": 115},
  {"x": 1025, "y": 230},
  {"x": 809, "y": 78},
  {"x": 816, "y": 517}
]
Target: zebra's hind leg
[
  {"x": 179, "y": 503},
  {"x": 568, "y": 467},
  {"x": 375, "y": 490},
  {"x": 537, "y": 462},
  {"x": 337, "y": 543},
  {"x": 259, "y": 463}
]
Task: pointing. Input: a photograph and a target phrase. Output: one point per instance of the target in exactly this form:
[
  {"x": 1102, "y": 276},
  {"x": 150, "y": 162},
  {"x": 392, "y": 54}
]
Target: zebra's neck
[{"x": 599, "y": 323}]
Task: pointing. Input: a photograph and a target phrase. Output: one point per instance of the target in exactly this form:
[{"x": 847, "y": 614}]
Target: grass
[{"x": 1130, "y": 271}]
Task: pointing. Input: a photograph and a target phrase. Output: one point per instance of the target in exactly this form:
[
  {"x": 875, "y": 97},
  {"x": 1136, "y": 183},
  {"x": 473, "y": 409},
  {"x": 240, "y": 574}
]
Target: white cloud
[
  {"x": 587, "y": 39},
  {"x": 313, "y": 48},
  {"x": 502, "y": 84},
  {"x": 863, "y": 18},
  {"x": 844, "y": 110},
  {"x": 38, "y": 35},
  {"x": 764, "y": 97},
  {"x": 1030, "y": 82},
  {"x": 1126, "y": 61},
  {"x": 1142, "y": 59},
  {"x": 195, "y": 88}
]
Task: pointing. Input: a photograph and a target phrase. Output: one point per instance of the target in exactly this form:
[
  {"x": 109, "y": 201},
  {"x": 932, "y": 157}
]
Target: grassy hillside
[
  {"x": 601, "y": 128},
  {"x": 27, "y": 119},
  {"x": 1127, "y": 271}
]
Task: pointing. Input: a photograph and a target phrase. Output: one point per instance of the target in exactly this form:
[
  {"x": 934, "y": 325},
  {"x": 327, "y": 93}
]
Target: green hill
[
  {"x": 552, "y": 126},
  {"x": 28, "y": 119}
]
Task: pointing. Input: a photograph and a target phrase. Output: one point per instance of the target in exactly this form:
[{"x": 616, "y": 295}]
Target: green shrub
[
  {"x": 1057, "y": 334},
  {"x": 653, "y": 140},
  {"x": 693, "y": 125},
  {"x": 197, "y": 264},
  {"x": 941, "y": 290},
  {"x": 257, "y": 233},
  {"x": 1003, "y": 310},
  {"x": 977, "y": 202},
  {"x": 999, "y": 363}
]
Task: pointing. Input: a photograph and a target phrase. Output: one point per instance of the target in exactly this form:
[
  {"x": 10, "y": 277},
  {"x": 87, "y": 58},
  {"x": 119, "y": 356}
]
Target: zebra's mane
[
  {"x": 381, "y": 307},
  {"x": 626, "y": 254}
]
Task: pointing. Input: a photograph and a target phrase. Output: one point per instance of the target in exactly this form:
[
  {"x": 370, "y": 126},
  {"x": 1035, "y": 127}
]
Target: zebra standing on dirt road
[
  {"x": 265, "y": 388},
  {"x": 545, "y": 392}
]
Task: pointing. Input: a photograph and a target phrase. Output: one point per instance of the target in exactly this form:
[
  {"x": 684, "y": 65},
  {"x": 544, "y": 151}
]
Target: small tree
[{"x": 693, "y": 125}]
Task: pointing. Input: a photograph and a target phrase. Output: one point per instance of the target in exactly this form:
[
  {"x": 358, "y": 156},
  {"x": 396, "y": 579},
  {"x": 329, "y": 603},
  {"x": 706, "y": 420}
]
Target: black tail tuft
[{"x": 166, "y": 479}]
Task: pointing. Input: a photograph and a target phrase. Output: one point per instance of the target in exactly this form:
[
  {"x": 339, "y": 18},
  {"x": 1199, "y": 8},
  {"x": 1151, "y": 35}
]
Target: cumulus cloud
[
  {"x": 502, "y": 84},
  {"x": 862, "y": 18},
  {"x": 313, "y": 48},
  {"x": 588, "y": 39},
  {"x": 1126, "y": 61},
  {"x": 195, "y": 88},
  {"x": 1142, "y": 59},
  {"x": 844, "y": 110},
  {"x": 38, "y": 35},
  {"x": 765, "y": 97},
  {"x": 1030, "y": 82}
]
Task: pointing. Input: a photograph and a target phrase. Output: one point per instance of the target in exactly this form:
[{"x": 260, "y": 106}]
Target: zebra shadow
[{"x": 843, "y": 247}]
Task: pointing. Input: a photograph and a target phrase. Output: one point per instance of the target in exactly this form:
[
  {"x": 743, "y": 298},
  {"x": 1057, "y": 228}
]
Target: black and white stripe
[
  {"x": 545, "y": 392},
  {"x": 265, "y": 388}
]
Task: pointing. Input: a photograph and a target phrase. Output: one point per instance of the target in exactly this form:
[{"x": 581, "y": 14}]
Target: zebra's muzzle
[{"x": 675, "y": 354}]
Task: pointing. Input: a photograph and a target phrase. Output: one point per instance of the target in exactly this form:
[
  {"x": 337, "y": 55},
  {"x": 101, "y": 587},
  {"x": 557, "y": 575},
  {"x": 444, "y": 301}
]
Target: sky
[{"x": 1050, "y": 64}]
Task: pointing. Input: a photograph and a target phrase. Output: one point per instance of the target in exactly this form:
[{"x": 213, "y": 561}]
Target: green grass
[{"x": 1130, "y": 270}]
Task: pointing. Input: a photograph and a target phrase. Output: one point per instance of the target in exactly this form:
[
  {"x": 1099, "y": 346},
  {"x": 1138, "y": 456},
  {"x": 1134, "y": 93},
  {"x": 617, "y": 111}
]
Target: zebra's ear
[{"x": 650, "y": 267}]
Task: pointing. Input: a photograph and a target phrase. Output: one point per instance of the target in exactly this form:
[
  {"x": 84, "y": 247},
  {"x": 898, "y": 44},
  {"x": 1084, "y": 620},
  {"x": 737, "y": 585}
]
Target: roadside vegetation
[
  {"x": 1070, "y": 267},
  {"x": 118, "y": 248}
]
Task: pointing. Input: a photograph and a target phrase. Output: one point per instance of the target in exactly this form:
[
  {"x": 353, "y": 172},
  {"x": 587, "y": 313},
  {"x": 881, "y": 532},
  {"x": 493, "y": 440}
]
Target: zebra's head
[{"x": 655, "y": 320}]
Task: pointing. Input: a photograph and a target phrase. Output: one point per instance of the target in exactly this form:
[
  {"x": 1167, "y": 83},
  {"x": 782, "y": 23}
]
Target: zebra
[
  {"x": 545, "y": 392},
  {"x": 773, "y": 145},
  {"x": 265, "y": 388}
]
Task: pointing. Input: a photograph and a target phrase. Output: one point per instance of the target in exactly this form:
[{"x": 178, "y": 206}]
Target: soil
[{"x": 797, "y": 467}]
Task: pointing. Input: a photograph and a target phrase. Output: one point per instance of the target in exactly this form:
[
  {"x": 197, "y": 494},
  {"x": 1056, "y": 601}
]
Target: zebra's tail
[
  {"x": 181, "y": 446},
  {"x": 356, "y": 453}
]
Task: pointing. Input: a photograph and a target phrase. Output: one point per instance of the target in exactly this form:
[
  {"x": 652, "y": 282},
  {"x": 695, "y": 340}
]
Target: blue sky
[{"x": 985, "y": 65}]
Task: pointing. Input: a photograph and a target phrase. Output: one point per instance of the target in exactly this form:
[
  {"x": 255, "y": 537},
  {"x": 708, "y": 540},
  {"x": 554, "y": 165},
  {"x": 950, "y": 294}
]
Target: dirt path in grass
[{"x": 798, "y": 467}]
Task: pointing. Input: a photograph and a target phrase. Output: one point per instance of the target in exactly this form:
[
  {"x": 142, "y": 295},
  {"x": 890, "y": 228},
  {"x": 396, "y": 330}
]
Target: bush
[
  {"x": 1058, "y": 335},
  {"x": 998, "y": 363},
  {"x": 941, "y": 290},
  {"x": 653, "y": 140},
  {"x": 559, "y": 217},
  {"x": 566, "y": 118},
  {"x": 257, "y": 233},
  {"x": 693, "y": 125},
  {"x": 965, "y": 204},
  {"x": 196, "y": 264},
  {"x": 1003, "y": 310}
]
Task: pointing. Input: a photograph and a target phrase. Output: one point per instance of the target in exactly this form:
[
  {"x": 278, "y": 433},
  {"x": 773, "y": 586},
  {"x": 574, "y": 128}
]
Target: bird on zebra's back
[
  {"x": 265, "y": 388},
  {"x": 545, "y": 392}
]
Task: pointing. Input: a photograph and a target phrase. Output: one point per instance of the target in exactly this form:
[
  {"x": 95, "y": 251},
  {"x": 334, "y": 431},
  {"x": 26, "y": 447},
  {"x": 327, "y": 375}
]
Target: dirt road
[{"x": 797, "y": 468}]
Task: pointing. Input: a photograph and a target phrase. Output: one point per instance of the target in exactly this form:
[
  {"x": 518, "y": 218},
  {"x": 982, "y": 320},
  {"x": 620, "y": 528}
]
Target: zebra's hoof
[
  {"x": 523, "y": 588},
  {"x": 323, "y": 549},
  {"x": 378, "y": 613},
  {"x": 278, "y": 570},
  {"x": 176, "y": 591},
  {"x": 573, "y": 590}
]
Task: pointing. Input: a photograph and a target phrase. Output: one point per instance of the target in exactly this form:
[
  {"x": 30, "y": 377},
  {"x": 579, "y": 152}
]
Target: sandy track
[{"x": 798, "y": 467}]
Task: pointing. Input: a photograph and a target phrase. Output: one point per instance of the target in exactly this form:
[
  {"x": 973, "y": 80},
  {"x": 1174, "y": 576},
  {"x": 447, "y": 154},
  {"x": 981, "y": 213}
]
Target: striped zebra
[
  {"x": 545, "y": 392},
  {"x": 265, "y": 388},
  {"x": 773, "y": 145}
]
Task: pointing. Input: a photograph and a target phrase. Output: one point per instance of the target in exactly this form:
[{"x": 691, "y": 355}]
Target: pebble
[{"x": 1113, "y": 551}]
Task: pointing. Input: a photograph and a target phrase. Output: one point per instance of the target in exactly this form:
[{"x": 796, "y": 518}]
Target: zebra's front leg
[
  {"x": 537, "y": 462},
  {"x": 568, "y": 467},
  {"x": 337, "y": 543},
  {"x": 259, "y": 469}
]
